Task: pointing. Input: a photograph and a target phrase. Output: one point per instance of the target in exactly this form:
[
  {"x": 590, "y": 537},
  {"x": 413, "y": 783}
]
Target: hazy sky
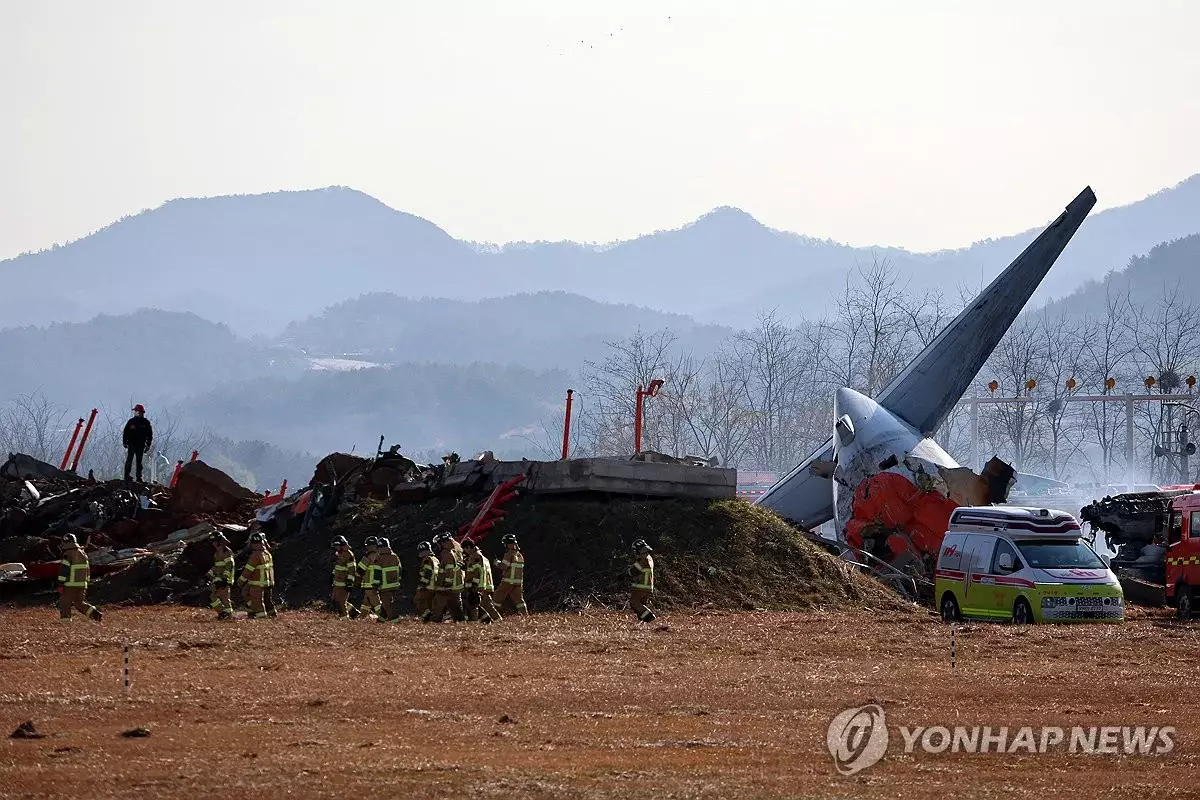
[{"x": 923, "y": 123}]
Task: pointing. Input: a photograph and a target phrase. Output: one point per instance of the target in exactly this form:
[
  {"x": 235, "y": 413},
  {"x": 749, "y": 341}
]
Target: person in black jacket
[{"x": 137, "y": 438}]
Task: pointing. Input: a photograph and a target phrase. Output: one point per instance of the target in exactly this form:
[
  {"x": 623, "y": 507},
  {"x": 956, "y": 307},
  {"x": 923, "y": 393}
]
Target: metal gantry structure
[{"x": 1183, "y": 447}]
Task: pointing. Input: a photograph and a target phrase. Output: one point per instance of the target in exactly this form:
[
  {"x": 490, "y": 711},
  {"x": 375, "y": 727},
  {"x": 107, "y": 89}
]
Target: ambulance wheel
[
  {"x": 1022, "y": 613},
  {"x": 950, "y": 612},
  {"x": 1185, "y": 603}
]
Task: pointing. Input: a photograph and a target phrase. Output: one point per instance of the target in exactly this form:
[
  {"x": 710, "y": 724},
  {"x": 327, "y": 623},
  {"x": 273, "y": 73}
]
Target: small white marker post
[
  {"x": 953, "y": 647},
  {"x": 125, "y": 672}
]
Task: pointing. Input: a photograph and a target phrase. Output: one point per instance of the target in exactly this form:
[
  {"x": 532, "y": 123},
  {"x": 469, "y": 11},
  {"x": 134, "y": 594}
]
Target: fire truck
[{"x": 1157, "y": 539}]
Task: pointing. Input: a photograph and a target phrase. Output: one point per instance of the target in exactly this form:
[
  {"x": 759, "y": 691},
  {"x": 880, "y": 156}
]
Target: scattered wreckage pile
[
  {"x": 1135, "y": 526},
  {"x": 576, "y": 520},
  {"x": 135, "y": 534}
]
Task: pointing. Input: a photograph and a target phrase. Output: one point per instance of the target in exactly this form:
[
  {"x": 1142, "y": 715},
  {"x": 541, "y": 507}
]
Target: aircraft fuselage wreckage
[{"x": 888, "y": 486}]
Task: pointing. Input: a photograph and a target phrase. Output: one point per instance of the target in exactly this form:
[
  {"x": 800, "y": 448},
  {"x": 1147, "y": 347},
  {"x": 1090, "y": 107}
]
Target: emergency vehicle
[
  {"x": 1025, "y": 565},
  {"x": 1183, "y": 554}
]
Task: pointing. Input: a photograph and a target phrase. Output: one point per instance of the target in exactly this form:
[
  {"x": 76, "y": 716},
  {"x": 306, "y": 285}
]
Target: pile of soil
[{"x": 722, "y": 554}]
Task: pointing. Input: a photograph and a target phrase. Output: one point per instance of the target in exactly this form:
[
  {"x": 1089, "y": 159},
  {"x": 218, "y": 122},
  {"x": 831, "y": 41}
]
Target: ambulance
[{"x": 1024, "y": 565}]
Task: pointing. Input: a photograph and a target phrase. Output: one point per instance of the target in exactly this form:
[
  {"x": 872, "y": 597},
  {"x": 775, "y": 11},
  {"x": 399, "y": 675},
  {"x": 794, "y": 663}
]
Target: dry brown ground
[{"x": 715, "y": 705}]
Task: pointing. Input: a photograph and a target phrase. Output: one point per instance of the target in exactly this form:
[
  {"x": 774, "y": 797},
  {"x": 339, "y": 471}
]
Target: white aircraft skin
[{"x": 869, "y": 440}]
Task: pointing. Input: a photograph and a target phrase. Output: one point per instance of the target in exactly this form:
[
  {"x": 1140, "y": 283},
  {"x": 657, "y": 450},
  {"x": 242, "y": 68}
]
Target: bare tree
[
  {"x": 778, "y": 377},
  {"x": 1014, "y": 427},
  {"x": 1107, "y": 344},
  {"x": 1062, "y": 358},
  {"x": 611, "y": 386},
  {"x": 724, "y": 416},
  {"x": 31, "y": 424},
  {"x": 1166, "y": 342}
]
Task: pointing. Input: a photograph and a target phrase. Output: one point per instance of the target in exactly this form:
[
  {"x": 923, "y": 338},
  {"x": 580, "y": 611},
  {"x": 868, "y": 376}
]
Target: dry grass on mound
[{"x": 722, "y": 554}]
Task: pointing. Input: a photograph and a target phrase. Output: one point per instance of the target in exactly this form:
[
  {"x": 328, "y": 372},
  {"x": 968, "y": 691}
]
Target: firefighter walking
[
  {"x": 448, "y": 596},
  {"x": 221, "y": 577},
  {"x": 344, "y": 568},
  {"x": 368, "y": 578},
  {"x": 427, "y": 581},
  {"x": 73, "y": 575},
  {"x": 258, "y": 578},
  {"x": 388, "y": 566},
  {"x": 512, "y": 576},
  {"x": 479, "y": 585},
  {"x": 642, "y": 589}
]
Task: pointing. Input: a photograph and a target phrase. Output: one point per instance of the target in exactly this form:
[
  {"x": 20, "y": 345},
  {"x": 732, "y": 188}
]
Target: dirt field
[{"x": 719, "y": 705}]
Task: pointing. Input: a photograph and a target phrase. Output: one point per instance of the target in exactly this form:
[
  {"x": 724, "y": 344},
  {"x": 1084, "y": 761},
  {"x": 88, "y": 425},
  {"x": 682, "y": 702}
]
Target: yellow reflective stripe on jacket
[
  {"x": 485, "y": 582},
  {"x": 223, "y": 568},
  {"x": 264, "y": 573},
  {"x": 344, "y": 570},
  {"x": 514, "y": 571},
  {"x": 370, "y": 573},
  {"x": 390, "y": 577},
  {"x": 429, "y": 573},
  {"x": 644, "y": 574},
  {"x": 451, "y": 578},
  {"x": 76, "y": 577}
]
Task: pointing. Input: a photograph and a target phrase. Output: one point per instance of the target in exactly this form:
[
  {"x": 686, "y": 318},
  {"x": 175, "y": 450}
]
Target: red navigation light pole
[
  {"x": 567, "y": 425},
  {"x": 87, "y": 431},
  {"x": 71, "y": 446},
  {"x": 642, "y": 394}
]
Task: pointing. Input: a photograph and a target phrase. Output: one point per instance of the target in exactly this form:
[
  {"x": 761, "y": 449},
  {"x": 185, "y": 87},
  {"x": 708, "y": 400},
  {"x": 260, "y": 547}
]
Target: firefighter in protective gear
[
  {"x": 427, "y": 581},
  {"x": 478, "y": 603},
  {"x": 269, "y": 592},
  {"x": 388, "y": 565},
  {"x": 368, "y": 578},
  {"x": 73, "y": 575},
  {"x": 344, "y": 568},
  {"x": 258, "y": 577},
  {"x": 512, "y": 576},
  {"x": 221, "y": 576},
  {"x": 448, "y": 596},
  {"x": 642, "y": 572}
]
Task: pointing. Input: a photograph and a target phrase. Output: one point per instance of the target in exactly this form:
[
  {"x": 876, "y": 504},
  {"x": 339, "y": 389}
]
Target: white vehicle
[{"x": 1027, "y": 565}]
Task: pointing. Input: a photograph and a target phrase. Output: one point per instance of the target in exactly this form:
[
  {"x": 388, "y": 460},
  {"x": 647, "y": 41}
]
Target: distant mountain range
[
  {"x": 1146, "y": 280},
  {"x": 258, "y": 262},
  {"x": 455, "y": 374},
  {"x": 539, "y": 330},
  {"x": 119, "y": 359},
  {"x": 427, "y": 373}
]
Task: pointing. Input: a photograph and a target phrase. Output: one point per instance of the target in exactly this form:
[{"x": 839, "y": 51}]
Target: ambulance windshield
[{"x": 1057, "y": 554}]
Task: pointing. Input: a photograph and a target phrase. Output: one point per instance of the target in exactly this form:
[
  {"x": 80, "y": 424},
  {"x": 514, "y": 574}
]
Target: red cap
[{"x": 140, "y": 407}]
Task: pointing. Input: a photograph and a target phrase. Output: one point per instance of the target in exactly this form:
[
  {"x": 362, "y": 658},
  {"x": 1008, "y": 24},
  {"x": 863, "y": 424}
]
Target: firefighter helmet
[
  {"x": 384, "y": 543},
  {"x": 641, "y": 545},
  {"x": 371, "y": 541},
  {"x": 424, "y": 547},
  {"x": 69, "y": 538},
  {"x": 469, "y": 544},
  {"x": 219, "y": 538},
  {"x": 508, "y": 538}
]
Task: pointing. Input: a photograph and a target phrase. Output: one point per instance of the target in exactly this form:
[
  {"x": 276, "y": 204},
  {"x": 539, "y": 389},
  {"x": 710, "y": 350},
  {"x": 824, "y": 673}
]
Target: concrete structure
[
  {"x": 609, "y": 476},
  {"x": 922, "y": 395}
]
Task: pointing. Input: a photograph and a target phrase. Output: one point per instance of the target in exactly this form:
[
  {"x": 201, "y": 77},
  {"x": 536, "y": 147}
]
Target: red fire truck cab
[{"x": 1183, "y": 555}]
